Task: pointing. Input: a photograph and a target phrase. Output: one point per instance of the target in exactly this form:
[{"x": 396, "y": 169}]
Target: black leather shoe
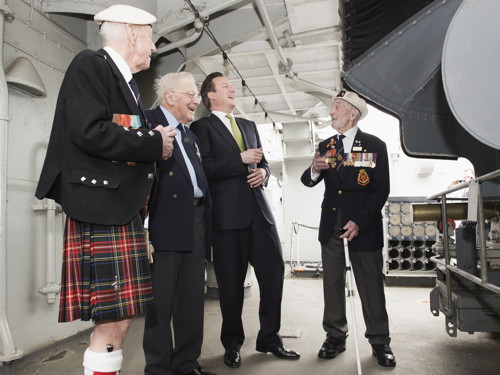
[
  {"x": 232, "y": 358},
  {"x": 280, "y": 352},
  {"x": 200, "y": 371},
  {"x": 384, "y": 355},
  {"x": 331, "y": 348}
]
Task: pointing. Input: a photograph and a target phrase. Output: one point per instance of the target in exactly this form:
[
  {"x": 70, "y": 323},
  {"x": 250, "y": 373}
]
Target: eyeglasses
[{"x": 190, "y": 94}]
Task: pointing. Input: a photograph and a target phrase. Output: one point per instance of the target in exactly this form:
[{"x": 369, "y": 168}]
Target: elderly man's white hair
[
  {"x": 170, "y": 82},
  {"x": 113, "y": 33}
]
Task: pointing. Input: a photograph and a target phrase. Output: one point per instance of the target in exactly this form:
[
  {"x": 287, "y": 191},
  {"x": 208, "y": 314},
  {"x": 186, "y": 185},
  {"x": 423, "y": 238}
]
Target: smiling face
[
  {"x": 223, "y": 98},
  {"x": 142, "y": 47},
  {"x": 343, "y": 115},
  {"x": 183, "y": 101}
]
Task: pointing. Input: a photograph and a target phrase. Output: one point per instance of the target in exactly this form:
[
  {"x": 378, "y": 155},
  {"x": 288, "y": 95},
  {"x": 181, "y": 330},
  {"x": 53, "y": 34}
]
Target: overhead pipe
[
  {"x": 287, "y": 39},
  {"x": 198, "y": 25},
  {"x": 9, "y": 353},
  {"x": 293, "y": 117},
  {"x": 313, "y": 86},
  {"x": 221, "y": 5},
  {"x": 285, "y": 64}
]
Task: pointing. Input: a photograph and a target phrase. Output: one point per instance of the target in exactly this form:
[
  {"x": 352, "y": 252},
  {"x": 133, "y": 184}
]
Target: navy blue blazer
[
  {"x": 227, "y": 174},
  {"x": 360, "y": 194},
  {"x": 171, "y": 206},
  {"x": 98, "y": 171}
]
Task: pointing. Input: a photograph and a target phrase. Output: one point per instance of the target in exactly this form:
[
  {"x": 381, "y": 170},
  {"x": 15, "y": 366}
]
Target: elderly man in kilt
[{"x": 100, "y": 167}]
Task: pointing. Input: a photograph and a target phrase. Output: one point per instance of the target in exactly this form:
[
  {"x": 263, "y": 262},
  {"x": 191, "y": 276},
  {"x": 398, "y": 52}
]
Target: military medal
[
  {"x": 197, "y": 151},
  {"x": 360, "y": 159},
  {"x": 127, "y": 121},
  {"x": 330, "y": 154}
]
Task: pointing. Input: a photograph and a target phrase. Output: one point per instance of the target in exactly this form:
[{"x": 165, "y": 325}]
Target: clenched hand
[
  {"x": 167, "y": 133},
  {"x": 252, "y": 155},
  {"x": 319, "y": 163}
]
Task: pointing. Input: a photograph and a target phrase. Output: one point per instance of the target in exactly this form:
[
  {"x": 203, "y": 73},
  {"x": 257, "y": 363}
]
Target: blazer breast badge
[{"x": 363, "y": 178}]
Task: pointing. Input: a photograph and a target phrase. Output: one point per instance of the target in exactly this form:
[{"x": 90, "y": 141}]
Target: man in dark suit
[
  {"x": 355, "y": 170},
  {"x": 178, "y": 226},
  {"x": 244, "y": 229},
  {"x": 100, "y": 168}
]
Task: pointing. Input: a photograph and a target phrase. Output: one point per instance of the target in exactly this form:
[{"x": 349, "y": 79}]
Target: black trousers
[
  {"x": 367, "y": 267},
  {"x": 260, "y": 246},
  {"x": 173, "y": 332}
]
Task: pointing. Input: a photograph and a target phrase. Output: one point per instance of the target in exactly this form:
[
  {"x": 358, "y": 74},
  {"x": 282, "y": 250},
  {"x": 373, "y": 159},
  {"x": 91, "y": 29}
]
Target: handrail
[
  {"x": 467, "y": 275},
  {"x": 463, "y": 185},
  {"x": 483, "y": 281}
]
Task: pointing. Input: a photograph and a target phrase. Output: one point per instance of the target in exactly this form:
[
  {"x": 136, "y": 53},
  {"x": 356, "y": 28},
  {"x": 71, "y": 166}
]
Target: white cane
[{"x": 350, "y": 294}]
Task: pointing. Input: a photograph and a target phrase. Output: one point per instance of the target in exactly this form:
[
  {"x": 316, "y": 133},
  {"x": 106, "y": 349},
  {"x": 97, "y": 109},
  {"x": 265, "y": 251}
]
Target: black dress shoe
[
  {"x": 331, "y": 348},
  {"x": 200, "y": 371},
  {"x": 232, "y": 358},
  {"x": 280, "y": 352},
  {"x": 384, "y": 355}
]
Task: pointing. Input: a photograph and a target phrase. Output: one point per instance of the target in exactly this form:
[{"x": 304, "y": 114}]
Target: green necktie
[{"x": 236, "y": 133}]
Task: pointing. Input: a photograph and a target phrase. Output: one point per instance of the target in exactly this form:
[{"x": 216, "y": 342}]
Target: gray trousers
[{"x": 367, "y": 268}]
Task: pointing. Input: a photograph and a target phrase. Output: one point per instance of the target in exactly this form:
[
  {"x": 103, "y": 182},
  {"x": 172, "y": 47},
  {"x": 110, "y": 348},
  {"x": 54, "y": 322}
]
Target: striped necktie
[
  {"x": 137, "y": 94},
  {"x": 236, "y": 133},
  {"x": 190, "y": 149},
  {"x": 340, "y": 155}
]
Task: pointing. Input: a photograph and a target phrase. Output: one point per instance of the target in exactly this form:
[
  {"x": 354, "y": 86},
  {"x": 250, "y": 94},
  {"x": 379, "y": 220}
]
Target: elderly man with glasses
[{"x": 179, "y": 212}]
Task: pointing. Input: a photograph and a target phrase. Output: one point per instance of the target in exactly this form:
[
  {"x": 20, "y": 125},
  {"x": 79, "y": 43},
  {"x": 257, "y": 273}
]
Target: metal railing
[{"x": 483, "y": 280}]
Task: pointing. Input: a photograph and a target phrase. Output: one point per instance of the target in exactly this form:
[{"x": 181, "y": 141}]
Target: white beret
[
  {"x": 125, "y": 14},
  {"x": 353, "y": 98}
]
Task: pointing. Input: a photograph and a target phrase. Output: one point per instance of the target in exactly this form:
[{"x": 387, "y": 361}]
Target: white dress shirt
[
  {"x": 121, "y": 65},
  {"x": 172, "y": 120}
]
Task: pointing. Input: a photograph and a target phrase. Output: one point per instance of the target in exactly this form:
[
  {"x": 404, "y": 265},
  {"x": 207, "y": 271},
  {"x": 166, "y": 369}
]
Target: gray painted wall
[{"x": 33, "y": 35}]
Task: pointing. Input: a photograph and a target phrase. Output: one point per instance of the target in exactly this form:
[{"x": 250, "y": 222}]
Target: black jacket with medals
[
  {"x": 99, "y": 171},
  {"x": 360, "y": 193}
]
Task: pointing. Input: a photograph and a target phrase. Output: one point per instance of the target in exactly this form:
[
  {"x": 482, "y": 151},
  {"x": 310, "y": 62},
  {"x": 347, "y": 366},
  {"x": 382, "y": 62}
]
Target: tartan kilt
[{"x": 105, "y": 273}]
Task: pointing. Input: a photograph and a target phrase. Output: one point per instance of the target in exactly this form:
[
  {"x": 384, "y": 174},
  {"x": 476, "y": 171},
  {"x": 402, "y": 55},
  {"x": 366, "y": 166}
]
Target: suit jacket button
[{"x": 339, "y": 192}]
